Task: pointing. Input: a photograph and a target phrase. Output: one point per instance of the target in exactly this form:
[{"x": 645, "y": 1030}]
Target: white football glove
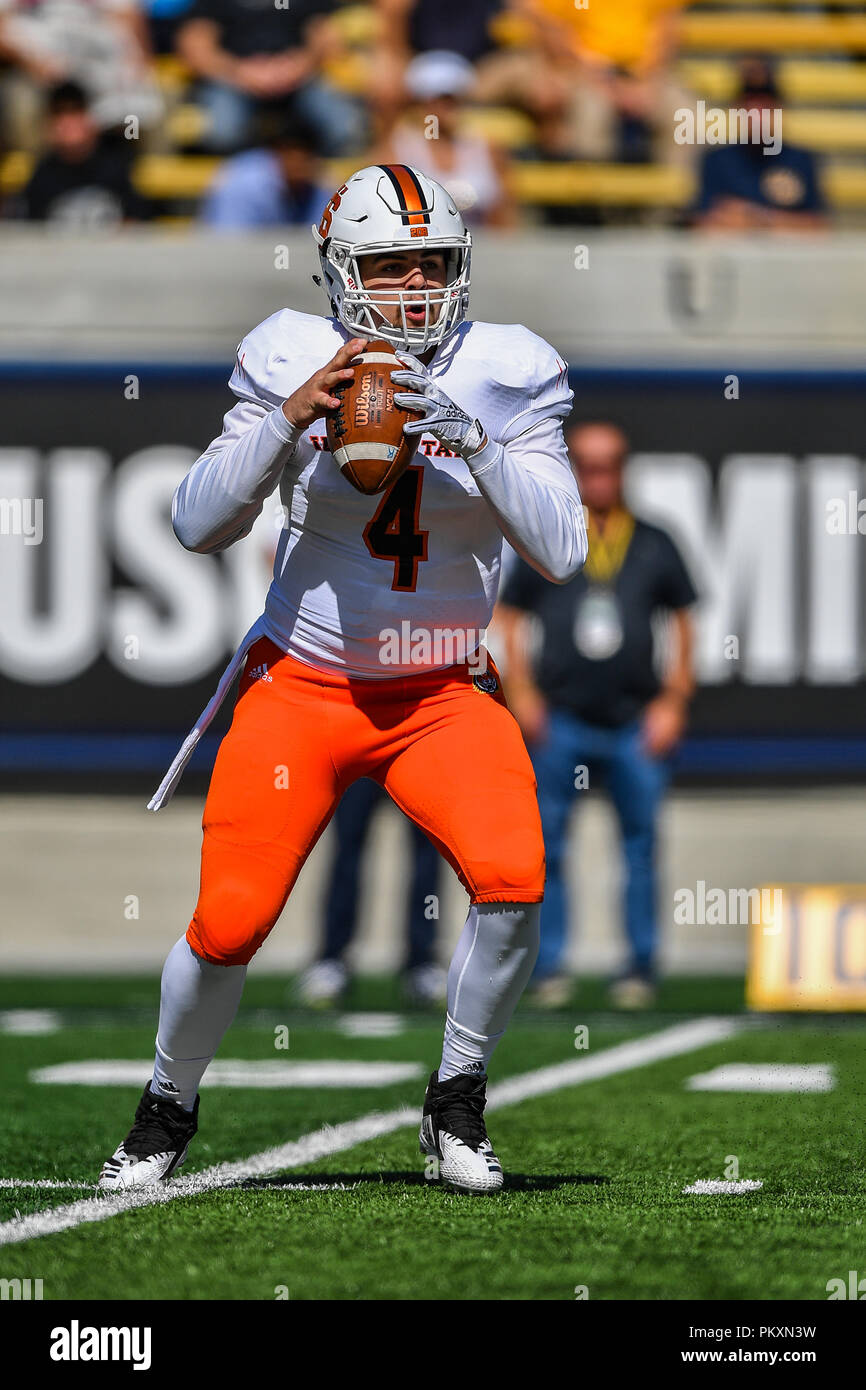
[{"x": 442, "y": 418}]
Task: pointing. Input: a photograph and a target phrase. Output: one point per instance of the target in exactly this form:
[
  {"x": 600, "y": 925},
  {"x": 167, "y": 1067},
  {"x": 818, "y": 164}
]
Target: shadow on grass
[{"x": 514, "y": 1182}]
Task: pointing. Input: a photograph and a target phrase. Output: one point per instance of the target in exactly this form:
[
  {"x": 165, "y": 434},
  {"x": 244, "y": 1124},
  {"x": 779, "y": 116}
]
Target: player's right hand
[{"x": 316, "y": 397}]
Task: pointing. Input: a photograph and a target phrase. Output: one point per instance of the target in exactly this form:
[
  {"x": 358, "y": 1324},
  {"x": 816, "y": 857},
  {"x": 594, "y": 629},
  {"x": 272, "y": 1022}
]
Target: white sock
[
  {"x": 198, "y": 1002},
  {"x": 489, "y": 971}
]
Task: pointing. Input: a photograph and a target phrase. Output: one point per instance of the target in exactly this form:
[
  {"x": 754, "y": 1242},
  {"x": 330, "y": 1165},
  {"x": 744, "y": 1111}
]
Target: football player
[{"x": 319, "y": 705}]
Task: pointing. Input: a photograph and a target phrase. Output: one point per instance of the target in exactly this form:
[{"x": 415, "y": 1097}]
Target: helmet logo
[{"x": 331, "y": 209}]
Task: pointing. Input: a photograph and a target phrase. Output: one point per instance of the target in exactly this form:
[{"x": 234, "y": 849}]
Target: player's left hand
[{"x": 440, "y": 416}]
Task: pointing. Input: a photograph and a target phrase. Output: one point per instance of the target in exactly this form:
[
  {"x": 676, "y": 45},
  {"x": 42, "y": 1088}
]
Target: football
[{"x": 366, "y": 435}]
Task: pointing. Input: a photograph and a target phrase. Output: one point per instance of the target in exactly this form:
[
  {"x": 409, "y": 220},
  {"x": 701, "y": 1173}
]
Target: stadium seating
[
  {"x": 823, "y": 89},
  {"x": 770, "y": 32}
]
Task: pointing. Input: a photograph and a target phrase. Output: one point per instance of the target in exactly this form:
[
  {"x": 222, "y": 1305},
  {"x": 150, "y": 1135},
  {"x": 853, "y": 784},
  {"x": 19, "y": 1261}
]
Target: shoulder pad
[{"x": 286, "y": 337}]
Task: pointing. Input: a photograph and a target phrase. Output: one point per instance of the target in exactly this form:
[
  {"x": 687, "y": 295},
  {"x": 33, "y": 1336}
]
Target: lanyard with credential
[
  {"x": 607, "y": 547},
  {"x": 598, "y": 629}
]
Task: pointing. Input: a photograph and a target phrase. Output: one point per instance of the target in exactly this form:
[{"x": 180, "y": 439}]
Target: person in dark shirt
[
  {"x": 80, "y": 181},
  {"x": 745, "y": 187},
  {"x": 422, "y": 26},
  {"x": 255, "y": 55},
  {"x": 583, "y": 685}
]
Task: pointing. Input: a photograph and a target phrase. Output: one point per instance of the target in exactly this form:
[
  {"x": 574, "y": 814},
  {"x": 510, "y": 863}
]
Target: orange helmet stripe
[{"x": 408, "y": 190}]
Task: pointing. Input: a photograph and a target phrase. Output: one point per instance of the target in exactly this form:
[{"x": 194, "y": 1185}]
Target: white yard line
[
  {"x": 16, "y": 1184},
  {"x": 592, "y": 1066},
  {"x": 791, "y": 1077},
  {"x": 269, "y": 1074},
  {"x": 333, "y": 1139},
  {"x": 295, "y": 1154},
  {"x": 29, "y": 1023},
  {"x": 42, "y": 1182},
  {"x": 303, "y": 1187},
  {"x": 710, "y": 1187}
]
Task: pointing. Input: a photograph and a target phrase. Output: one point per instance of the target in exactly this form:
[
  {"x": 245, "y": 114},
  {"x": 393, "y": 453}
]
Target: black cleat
[
  {"x": 154, "y": 1147},
  {"x": 452, "y": 1129}
]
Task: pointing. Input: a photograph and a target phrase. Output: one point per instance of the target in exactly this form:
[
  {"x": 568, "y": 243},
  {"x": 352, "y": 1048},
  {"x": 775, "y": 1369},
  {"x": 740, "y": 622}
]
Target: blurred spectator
[
  {"x": 164, "y": 19},
  {"x": 253, "y": 55},
  {"x": 590, "y": 703},
  {"x": 79, "y": 182},
  {"x": 743, "y": 188},
  {"x": 597, "y": 79},
  {"x": 100, "y": 44},
  {"x": 410, "y": 27},
  {"x": 419, "y": 26},
  {"x": 324, "y": 982},
  {"x": 429, "y": 137},
  {"x": 276, "y": 184}
]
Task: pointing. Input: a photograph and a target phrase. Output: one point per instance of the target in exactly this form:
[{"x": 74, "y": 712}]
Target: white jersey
[{"x": 364, "y": 585}]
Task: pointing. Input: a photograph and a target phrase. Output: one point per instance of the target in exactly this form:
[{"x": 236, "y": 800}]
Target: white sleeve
[
  {"x": 530, "y": 485},
  {"x": 226, "y": 488},
  {"x": 224, "y": 491}
]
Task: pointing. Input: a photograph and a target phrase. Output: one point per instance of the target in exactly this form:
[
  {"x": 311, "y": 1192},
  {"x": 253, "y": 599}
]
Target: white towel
[{"x": 165, "y": 791}]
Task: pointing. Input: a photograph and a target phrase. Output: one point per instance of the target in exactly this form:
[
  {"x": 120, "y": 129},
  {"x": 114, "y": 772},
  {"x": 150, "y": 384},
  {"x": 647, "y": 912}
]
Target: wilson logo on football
[{"x": 372, "y": 400}]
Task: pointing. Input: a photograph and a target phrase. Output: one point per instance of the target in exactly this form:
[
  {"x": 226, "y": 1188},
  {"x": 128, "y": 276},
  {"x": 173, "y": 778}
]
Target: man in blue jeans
[
  {"x": 324, "y": 983},
  {"x": 583, "y": 685}
]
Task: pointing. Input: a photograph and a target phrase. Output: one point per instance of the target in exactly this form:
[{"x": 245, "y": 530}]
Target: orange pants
[{"x": 446, "y": 750}]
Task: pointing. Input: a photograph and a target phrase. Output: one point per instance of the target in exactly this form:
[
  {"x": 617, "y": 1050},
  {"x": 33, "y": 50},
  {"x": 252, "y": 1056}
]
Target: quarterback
[{"x": 318, "y": 706}]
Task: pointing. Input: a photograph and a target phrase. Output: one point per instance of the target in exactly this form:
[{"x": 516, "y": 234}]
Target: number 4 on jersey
[{"x": 394, "y": 534}]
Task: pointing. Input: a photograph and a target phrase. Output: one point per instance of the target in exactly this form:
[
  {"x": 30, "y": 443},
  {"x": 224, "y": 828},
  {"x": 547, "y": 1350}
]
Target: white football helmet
[{"x": 393, "y": 207}]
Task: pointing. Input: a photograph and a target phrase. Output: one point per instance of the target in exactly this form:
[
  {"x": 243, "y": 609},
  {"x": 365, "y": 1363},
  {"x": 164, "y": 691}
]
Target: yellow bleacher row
[
  {"x": 762, "y": 26},
  {"x": 823, "y": 130},
  {"x": 764, "y": 4},
  {"x": 650, "y": 185},
  {"x": 612, "y": 185},
  {"x": 771, "y": 32},
  {"x": 800, "y": 80}
]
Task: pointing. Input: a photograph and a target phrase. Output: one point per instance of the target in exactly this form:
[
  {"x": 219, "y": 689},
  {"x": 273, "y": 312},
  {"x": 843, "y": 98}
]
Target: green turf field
[{"x": 594, "y": 1171}]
